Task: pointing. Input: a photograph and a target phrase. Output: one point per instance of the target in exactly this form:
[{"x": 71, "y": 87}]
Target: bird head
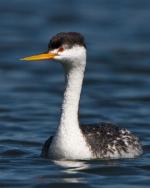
[{"x": 67, "y": 48}]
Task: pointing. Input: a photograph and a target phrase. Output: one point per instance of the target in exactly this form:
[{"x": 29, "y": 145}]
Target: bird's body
[
  {"x": 107, "y": 140},
  {"x": 104, "y": 140},
  {"x": 72, "y": 141}
]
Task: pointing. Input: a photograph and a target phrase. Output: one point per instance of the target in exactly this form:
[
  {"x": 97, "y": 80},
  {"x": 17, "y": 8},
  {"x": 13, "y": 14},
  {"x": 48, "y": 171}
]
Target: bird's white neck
[
  {"x": 70, "y": 106},
  {"x": 69, "y": 142}
]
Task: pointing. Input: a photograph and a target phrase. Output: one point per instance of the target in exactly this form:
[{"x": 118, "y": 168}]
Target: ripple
[
  {"x": 13, "y": 153},
  {"x": 113, "y": 171},
  {"x": 19, "y": 142}
]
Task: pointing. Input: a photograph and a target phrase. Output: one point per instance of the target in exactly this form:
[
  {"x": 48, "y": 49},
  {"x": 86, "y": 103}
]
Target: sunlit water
[{"x": 116, "y": 88}]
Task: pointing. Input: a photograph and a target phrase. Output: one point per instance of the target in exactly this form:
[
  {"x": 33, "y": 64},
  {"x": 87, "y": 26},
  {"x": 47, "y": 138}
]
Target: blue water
[{"x": 116, "y": 88}]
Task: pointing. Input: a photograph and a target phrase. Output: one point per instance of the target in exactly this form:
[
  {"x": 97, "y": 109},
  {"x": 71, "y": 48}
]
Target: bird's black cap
[{"x": 69, "y": 38}]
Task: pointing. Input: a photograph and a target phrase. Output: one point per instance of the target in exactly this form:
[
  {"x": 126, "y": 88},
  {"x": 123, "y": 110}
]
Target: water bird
[{"x": 71, "y": 140}]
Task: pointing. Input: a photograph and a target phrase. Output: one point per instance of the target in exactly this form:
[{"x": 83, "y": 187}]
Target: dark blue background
[{"x": 116, "y": 88}]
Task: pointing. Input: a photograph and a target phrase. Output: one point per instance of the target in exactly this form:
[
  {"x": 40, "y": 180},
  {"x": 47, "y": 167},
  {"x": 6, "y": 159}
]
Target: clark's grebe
[{"x": 71, "y": 140}]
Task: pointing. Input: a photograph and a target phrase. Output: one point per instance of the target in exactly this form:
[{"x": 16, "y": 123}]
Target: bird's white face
[{"x": 73, "y": 56}]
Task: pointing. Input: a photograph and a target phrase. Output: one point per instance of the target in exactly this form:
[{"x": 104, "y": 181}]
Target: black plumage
[
  {"x": 107, "y": 139},
  {"x": 69, "y": 39}
]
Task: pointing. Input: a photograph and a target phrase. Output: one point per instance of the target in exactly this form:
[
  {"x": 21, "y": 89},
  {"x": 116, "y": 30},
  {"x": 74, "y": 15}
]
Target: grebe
[{"x": 71, "y": 140}]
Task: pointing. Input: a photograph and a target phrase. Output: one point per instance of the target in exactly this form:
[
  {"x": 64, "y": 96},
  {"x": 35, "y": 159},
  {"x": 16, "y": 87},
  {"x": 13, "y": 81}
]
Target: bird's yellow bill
[{"x": 44, "y": 56}]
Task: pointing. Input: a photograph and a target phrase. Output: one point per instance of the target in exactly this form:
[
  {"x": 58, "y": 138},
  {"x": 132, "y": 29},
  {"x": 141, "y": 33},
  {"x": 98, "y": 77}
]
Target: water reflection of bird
[{"x": 71, "y": 140}]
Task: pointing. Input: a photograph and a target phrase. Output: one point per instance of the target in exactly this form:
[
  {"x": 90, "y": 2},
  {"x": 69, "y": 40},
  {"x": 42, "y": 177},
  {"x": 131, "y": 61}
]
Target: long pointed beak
[{"x": 44, "y": 56}]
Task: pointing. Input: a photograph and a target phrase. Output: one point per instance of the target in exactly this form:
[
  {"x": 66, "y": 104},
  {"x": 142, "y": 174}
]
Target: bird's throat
[{"x": 70, "y": 106}]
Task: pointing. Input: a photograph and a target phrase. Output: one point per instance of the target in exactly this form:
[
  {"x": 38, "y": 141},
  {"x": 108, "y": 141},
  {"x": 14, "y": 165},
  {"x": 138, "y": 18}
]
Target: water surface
[{"x": 116, "y": 88}]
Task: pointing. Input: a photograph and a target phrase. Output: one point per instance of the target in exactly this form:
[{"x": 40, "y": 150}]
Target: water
[{"x": 116, "y": 88}]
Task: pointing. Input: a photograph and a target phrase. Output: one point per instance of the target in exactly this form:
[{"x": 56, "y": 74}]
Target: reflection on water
[
  {"x": 116, "y": 88},
  {"x": 72, "y": 168},
  {"x": 78, "y": 165}
]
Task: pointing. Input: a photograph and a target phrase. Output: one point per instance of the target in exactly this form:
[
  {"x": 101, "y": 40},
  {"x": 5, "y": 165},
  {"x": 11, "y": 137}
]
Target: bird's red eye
[{"x": 61, "y": 49}]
